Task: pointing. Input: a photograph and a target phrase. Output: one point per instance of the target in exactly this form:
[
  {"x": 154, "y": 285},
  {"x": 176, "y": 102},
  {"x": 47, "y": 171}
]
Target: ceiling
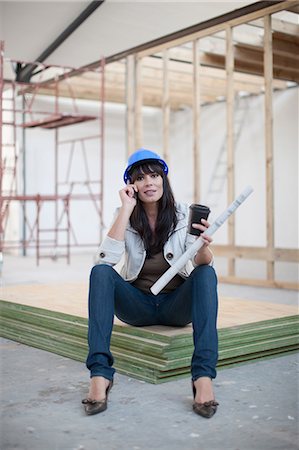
[
  {"x": 116, "y": 26},
  {"x": 28, "y": 28}
]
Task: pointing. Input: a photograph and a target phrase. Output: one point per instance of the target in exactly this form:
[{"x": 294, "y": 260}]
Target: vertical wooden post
[
  {"x": 268, "y": 74},
  {"x": 1, "y": 153},
  {"x": 196, "y": 122},
  {"x": 130, "y": 67},
  {"x": 229, "y": 62},
  {"x": 165, "y": 105},
  {"x": 138, "y": 103}
]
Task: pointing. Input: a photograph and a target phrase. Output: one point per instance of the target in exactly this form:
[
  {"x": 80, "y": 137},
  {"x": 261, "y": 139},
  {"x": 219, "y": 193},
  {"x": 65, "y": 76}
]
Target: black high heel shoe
[
  {"x": 93, "y": 406},
  {"x": 206, "y": 409}
]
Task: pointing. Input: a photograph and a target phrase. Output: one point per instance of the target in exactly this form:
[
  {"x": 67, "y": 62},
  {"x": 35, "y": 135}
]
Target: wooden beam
[
  {"x": 257, "y": 253},
  {"x": 268, "y": 71},
  {"x": 130, "y": 144},
  {"x": 166, "y": 106},
  {"x": 246, "y": 53},
  {"x": 286, "y": 254},
  {"x": 285, "y": 47},
  {"x": 218, "y": 61},
  {"x": 138, "y": 103},
  {"x": 229, "y": 65},
  {"x": 196, "y": 123},
  {"x": 209, "y": 73},
  {"x": 293, "y": 8},
  {"x": 280, "y": 6},
  {"x": 279, "y": 26},
  {"x": 258, "y": 282}
]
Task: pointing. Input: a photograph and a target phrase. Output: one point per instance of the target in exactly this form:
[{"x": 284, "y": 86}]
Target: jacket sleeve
[
  {"x": 110, "y": 250},
  {"x": 190, "y": 239}
]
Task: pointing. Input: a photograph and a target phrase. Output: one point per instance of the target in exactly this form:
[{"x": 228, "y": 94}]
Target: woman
[{"x": 150, "y": 230}]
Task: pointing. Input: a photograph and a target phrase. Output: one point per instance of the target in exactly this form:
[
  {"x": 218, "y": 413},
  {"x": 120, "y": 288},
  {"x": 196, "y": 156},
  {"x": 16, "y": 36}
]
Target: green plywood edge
[
  {"x": 256, "y": 326},
  {"x": 150, "y": 375},
  {"x": 186, "y": 373},
  {"x": 148, "y": 346},
  {"x": 135, "y": 331},
  {"x": 142, "y": 361},
  {"x": 38, "y": 333},
  {"x": 141, "y": 353},
  {"x": 141, "y": 332},
  {"x": 255, "y": 358},
  {"x": 282, "y": 331},
  {"x": 260, "y": 346},
  {"x": 74, "y": 329},
  {"x": 138, "y": 351},
  {"x": 146, "y": 361},
  {"x": 123, "y": 339},
  {"x": 45, "y": 344},
  {"x": 42, "y": 312}
]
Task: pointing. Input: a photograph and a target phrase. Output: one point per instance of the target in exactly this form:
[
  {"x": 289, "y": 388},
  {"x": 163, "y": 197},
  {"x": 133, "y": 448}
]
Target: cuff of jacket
[{"x": 110, "y": 251}]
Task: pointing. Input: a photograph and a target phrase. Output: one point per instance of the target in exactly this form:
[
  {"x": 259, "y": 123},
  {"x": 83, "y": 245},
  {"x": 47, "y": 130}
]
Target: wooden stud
[
  {"x": 196, "y": 122},
  {"x": 138, "y": 103},
  {"x": 281, "y": 26},
  {"x": 166, "y": 105},
  {"x": 130, "y": 104},
  {"x": 212, "y": 81},
  {"x": 230, "y": 139},
  {"x": 220, "y": 27},
  {"x": 268, "y": 73}
]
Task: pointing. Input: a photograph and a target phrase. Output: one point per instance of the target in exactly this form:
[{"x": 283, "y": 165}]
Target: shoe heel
[{"x": 193, "y": 389}]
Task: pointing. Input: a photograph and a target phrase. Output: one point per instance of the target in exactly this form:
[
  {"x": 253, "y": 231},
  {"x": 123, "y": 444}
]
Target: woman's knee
[
  {"x": 205, "y": 272},
  {"x": 101, "y": 270}
]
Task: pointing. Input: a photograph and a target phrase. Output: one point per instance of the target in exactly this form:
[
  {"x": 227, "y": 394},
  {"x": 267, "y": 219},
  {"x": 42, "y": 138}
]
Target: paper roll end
[
  {"x": 248, "y": 190},
  {"x": 154, "y": 290}
]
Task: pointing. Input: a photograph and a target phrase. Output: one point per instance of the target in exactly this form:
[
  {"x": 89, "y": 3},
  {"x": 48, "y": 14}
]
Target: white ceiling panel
[{"x": 28, "y": 28}]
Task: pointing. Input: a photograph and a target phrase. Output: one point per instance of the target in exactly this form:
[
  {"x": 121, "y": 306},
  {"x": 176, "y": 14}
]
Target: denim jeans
[{"x": 194, "y": 301}]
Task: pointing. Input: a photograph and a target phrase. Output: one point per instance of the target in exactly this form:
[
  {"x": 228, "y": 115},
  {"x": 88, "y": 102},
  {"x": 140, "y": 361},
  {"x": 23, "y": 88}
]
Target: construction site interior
[{"x": 221, "y": 105}]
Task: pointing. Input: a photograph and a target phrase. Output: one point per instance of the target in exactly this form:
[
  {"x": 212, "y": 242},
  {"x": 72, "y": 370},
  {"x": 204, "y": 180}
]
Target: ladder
[{"x": 219, "y": 172}]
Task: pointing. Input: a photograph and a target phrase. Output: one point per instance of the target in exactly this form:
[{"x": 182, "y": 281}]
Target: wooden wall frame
[
  {"x": 268, "y": 254},
  {"x": 149, "y": 72}
]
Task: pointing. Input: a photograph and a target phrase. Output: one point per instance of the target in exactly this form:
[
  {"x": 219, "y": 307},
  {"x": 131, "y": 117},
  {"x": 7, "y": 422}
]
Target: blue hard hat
[{"x": 142, "y": 155}]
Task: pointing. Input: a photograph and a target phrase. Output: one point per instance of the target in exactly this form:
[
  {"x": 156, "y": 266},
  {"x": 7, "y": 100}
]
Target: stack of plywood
[{"x": 154, "y": 354}]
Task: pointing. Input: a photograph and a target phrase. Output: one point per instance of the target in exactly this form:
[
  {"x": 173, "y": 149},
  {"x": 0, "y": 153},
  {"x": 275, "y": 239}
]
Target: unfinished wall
[{"x": 250, "y": 169}]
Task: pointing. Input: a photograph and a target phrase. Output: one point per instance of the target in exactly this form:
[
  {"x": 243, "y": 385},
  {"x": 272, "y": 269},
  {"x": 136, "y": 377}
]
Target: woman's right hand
[{"x": 128, "y": 196}]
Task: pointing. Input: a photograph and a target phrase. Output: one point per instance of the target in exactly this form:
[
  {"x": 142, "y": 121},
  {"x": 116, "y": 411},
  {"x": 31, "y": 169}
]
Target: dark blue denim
[{"x": 195, "y": 301}]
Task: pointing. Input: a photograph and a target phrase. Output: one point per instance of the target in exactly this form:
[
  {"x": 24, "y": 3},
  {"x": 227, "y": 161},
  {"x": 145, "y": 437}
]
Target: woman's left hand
[
  {"x": 203, "y": 226},
  {"x": 204, "y": 254}
]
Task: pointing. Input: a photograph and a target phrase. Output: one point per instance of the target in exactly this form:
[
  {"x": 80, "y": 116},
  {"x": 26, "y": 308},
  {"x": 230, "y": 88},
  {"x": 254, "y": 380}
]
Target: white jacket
[{"x": 111, "y": 250}]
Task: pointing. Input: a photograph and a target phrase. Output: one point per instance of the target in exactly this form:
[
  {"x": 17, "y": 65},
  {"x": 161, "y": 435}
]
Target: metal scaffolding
[{"x": 60, "y": 232}]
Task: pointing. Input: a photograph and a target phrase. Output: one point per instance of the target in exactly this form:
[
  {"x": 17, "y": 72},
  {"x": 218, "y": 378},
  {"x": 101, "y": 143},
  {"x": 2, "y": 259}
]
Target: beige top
[{"x": 152, "y": 269}]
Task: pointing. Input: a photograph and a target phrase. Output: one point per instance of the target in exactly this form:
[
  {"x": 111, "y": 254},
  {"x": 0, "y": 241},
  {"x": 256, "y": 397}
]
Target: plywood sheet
[
  {"x": 143, "y": 353},
  {"x": 72, "y": 299}
]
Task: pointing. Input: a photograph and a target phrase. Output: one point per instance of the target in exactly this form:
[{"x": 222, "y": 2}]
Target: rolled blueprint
[{"x": 179, "y": 264}]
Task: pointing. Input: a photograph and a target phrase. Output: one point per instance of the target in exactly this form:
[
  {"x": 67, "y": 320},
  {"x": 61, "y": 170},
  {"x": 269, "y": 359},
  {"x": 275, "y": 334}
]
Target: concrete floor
[
  {"x": 41, "y": 392},
  {"x": 41, "y": 408}
]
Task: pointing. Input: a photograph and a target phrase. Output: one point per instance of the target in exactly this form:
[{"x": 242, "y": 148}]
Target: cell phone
[{"x": 197, "y": 212}]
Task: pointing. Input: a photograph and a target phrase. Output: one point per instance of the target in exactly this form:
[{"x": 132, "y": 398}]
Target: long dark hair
[{"x": 167, "y": 214}]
